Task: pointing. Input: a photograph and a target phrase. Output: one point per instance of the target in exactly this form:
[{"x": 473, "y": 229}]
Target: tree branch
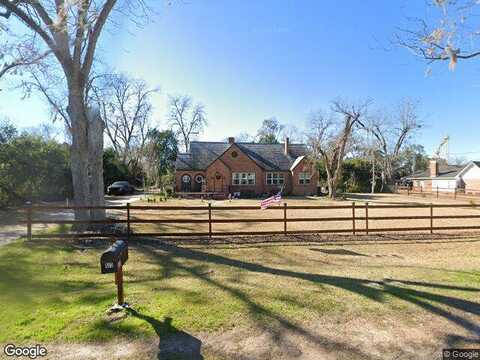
[
  {"x": 11, "y": 8},
  {"x": 95, "y": 34}
]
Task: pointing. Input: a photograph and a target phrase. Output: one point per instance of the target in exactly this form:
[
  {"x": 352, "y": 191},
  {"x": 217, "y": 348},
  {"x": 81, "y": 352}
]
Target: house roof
[
  {"x": 444, "y": 171},
  {"x": 270, "y": 157}
]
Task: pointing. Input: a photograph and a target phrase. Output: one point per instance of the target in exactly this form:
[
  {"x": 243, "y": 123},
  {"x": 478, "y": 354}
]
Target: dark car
[{"x": 120, "y": 188}]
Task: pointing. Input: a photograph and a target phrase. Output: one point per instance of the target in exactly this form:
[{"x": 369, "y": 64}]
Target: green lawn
[{"x": 53, "y": 292}]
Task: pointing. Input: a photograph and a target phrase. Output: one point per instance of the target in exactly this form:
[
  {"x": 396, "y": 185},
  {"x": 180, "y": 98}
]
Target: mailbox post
[
  {"x": 119, "y": 282},
  {"x": 112, "y": 261}
]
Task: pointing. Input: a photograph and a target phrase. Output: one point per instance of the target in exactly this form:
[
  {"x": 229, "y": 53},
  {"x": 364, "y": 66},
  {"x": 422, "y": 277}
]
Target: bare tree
[
  {"x": 47, "y": 131},
  {"x": 244, "y": 137},
  {"x": 270, "y": 131},
  {"x": 186, "y": 119},
  {"x": 392, "y": 134},
  {"x": 448, "y": 34},
  {"x": 293, "y": 133},
  {"x": 125, "y": 105},
  {"x": 329, "y": 137},
  {"x": 16, "y": 55},
  {"x": 69, "y": 32}
]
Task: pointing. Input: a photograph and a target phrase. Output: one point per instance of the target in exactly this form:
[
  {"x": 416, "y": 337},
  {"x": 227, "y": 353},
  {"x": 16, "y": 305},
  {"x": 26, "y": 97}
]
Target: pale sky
[{"x": 249, "y": 60}]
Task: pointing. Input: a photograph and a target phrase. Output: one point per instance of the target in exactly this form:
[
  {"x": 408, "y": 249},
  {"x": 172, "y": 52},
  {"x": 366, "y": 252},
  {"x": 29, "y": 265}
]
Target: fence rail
[
  {"x": 437, "y": 191},
  {"x": 359, "y": 213}
]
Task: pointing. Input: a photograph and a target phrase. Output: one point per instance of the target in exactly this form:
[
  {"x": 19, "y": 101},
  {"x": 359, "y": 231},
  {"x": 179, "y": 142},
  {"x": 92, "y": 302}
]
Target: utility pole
[
  {"x": 374, "y": 180},
  {"x": 371, "y": 141}
]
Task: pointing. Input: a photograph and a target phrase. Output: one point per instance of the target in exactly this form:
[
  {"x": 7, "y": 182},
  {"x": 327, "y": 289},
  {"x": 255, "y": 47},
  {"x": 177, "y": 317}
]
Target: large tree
[
  {"x": 447, "y": 34},
  {"x": 67, "y": 33},
  {"x": 125, "y": 105},
  {"x": 186, "y": 118},
  {"x": 160, "y": 154},
  {"x": 391, "y": 134},
  {"x": 329, "y": 137}
]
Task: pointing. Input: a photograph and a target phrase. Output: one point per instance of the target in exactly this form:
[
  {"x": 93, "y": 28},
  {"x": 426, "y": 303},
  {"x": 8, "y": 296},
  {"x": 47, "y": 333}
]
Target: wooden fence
[
  {"x": 440, "y": 191},
  {"x": 283, "y": 221}
]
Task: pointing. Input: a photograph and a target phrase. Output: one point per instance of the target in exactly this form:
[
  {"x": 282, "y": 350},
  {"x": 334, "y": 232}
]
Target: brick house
[
  {"x": 448, "y": 178},
  {"x": 248, "y": 168}
]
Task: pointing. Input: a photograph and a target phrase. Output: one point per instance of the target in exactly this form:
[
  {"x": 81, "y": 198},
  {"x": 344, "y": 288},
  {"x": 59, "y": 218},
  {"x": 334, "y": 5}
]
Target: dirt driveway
[{"x": 10, "y": 229}]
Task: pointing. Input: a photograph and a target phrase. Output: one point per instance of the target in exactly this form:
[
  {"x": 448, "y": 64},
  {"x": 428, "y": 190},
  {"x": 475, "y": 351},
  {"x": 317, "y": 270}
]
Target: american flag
[{"x": 271, "y": 200}]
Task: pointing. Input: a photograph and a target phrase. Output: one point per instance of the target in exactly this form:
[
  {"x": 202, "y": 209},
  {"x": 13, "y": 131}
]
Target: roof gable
[
  {"x": 297, "y": 162},
  {"x": 201, "y": 155},
  {"x": 469, "y": 166}
]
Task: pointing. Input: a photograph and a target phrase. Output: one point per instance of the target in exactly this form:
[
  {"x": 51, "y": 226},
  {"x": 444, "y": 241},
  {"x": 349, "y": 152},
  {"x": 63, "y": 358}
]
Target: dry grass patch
[{"x": 276, "y": 212}]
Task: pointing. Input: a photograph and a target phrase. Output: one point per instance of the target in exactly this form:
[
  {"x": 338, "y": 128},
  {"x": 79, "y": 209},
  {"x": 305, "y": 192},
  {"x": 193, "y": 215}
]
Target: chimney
[
  {"x": 231, "y": 140},
  {"x": 433, "y": 168},
  {"x": 287, "y": 143}
]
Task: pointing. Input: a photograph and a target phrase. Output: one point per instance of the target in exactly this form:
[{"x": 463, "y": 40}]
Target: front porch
[{"x": 215, "y": 195}]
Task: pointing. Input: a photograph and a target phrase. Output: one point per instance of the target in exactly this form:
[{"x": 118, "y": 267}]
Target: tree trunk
[
  {"x": 332, "y": 187},
  {"x": 95, "y": 153},
  {"x": 86, "y": 156},
  {"x": 79, "y": 156},
  {"x": 383, "y": 180},
  {"x": 374, "y": 179}
]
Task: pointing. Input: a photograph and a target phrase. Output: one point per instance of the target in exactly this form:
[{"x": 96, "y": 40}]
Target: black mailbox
[{"x": 110, "y": 258}]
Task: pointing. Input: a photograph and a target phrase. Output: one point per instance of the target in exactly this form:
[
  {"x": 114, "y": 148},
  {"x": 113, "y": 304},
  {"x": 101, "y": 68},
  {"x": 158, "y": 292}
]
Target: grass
[{"x": 53, "y": 292}]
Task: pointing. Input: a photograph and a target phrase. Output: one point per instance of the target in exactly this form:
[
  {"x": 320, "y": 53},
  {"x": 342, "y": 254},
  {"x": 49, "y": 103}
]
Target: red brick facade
[
  {"x": 304, "y": 189},
  {"x": 219, "y": 176}
]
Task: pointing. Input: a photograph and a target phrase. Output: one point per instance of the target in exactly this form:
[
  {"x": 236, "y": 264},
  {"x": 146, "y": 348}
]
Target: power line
[{"x": 465, "y": 153}]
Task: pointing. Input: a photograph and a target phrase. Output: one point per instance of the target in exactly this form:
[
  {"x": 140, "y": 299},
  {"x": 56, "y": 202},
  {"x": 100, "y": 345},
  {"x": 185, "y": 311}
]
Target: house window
[
  {"x": 304, "y": 178},
  {"x": 199, "y": 179},
  {"x": 234, "y": 154},
  {"x": 243, "y": 178},
  {"x": 275, "y": 179}
]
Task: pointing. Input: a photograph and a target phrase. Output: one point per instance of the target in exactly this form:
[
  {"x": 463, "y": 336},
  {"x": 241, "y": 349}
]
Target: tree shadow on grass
[
  {"x": 272, "y": 323},
  {"x": 173, "y": 343},
  {"x": 338, "y": 252},
  {"x": 451, "y": 308}
]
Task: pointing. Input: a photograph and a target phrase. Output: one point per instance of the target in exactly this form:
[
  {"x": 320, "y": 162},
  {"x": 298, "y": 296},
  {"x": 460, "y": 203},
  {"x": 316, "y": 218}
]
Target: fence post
[
  {"x": 366, "y": 218},
  {"x": 209, "y": 220},
  {"x": 437, "y": 191},
  {"x": 455, "y": 193},
  {"x": 353, "y": 218},
  {"x": 285, "y": 219},
  {"x": 431, "y": 218},
  {"x": 29, "y": 220},
  {"x": 128, "y": 223},
  {"x": 408, "y": 190}
]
